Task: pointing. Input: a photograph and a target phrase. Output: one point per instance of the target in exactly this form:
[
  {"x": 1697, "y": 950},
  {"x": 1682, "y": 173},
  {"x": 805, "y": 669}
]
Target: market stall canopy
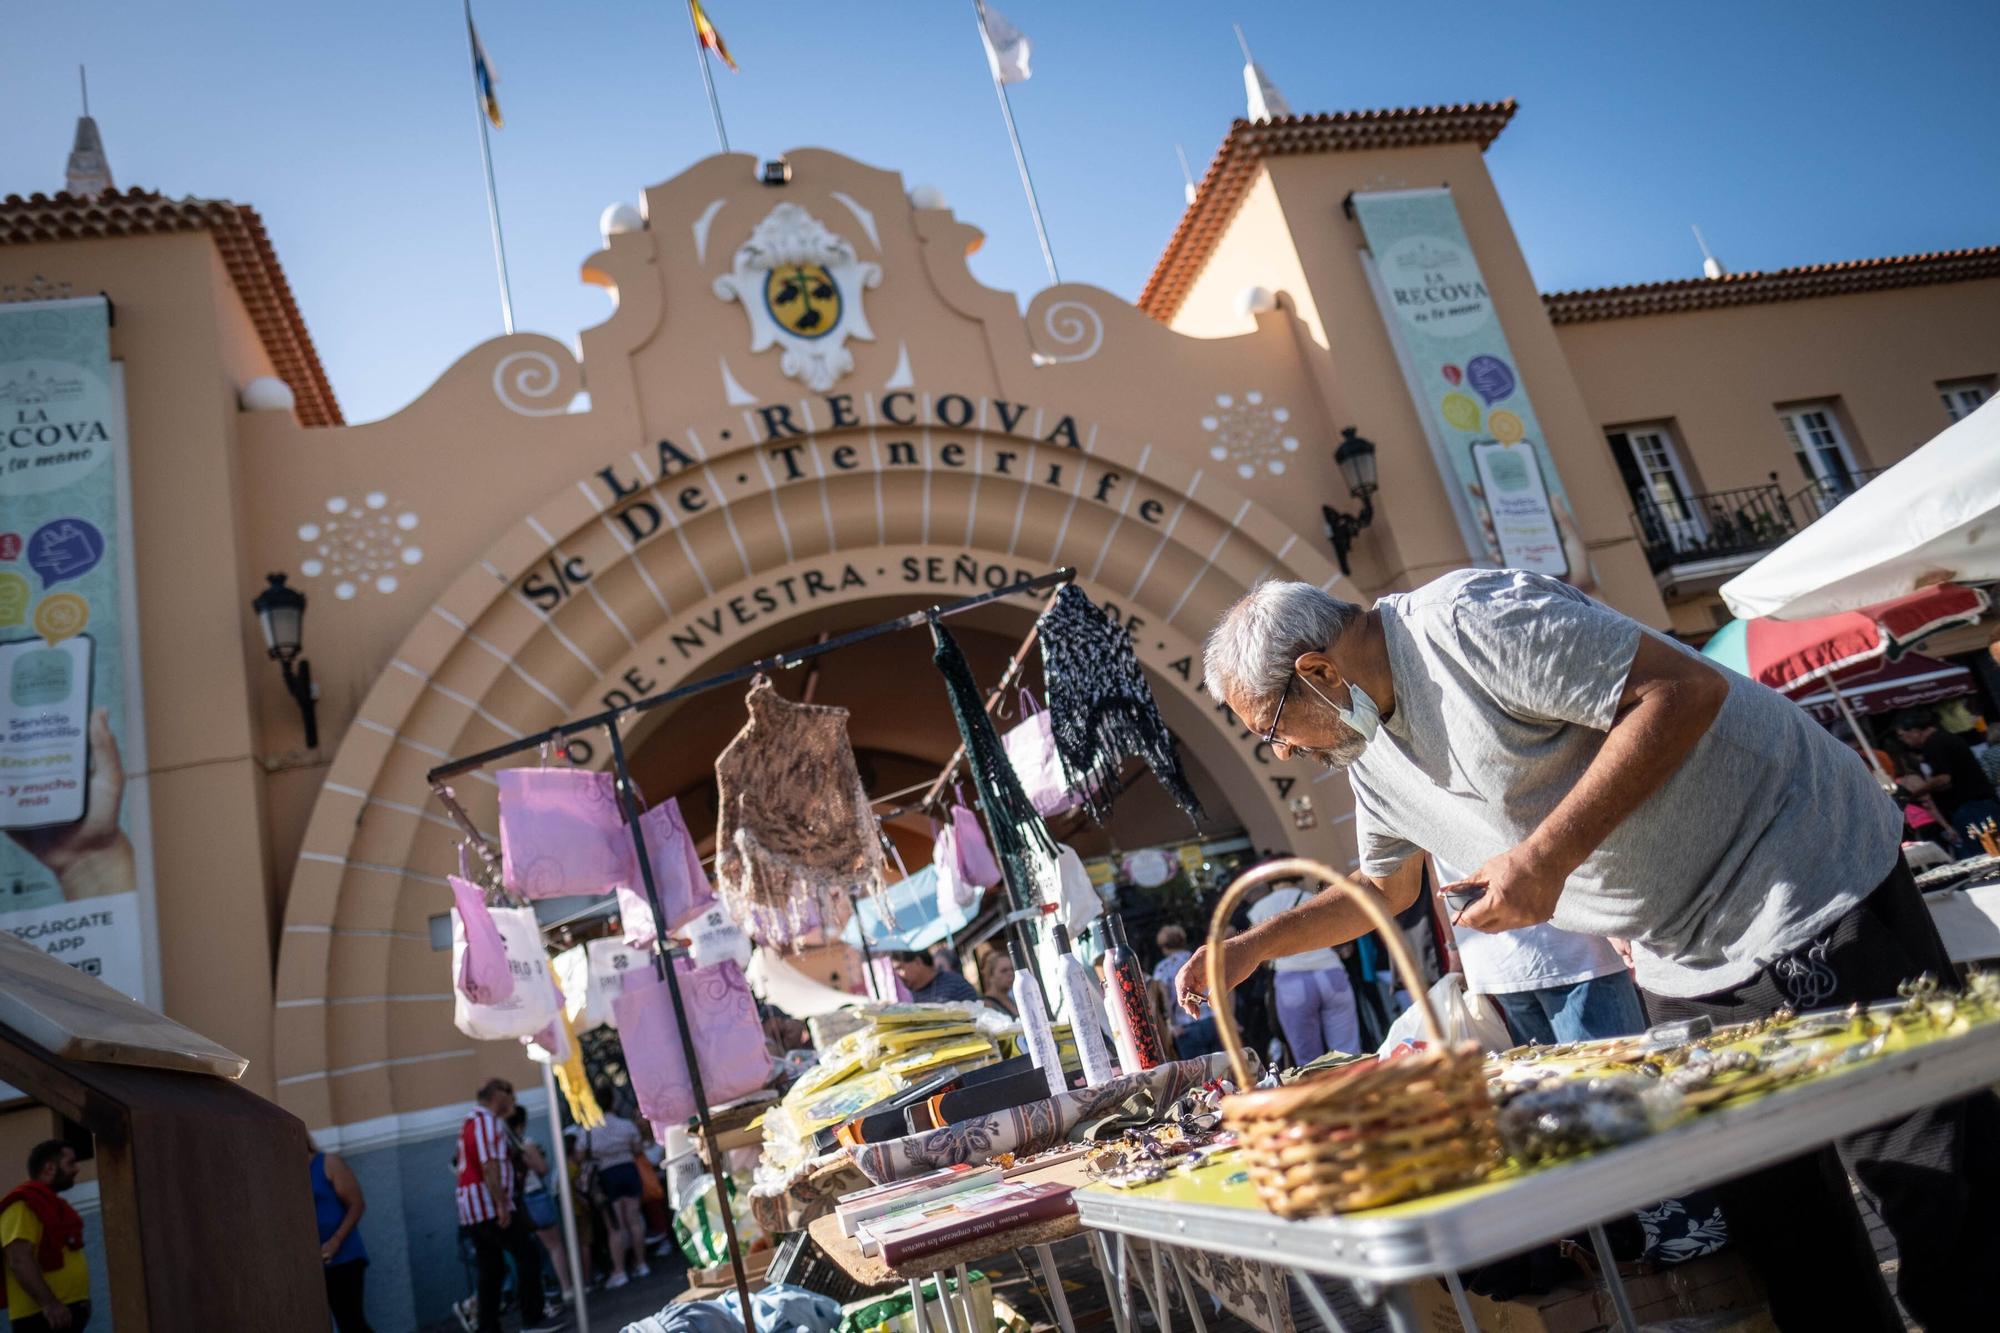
[
  {"x": 1929, "y": 519},
  {"x": 1914, "y": 681},
  {"x": 914, "y": 921},
  {"x": 1792, "y": 655}
]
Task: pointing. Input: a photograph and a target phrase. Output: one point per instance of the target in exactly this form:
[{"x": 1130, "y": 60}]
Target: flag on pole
[
  {"x": 1007, "y": 47},
  {"x": 705, "y": 32},
  {"x": 483, "y": 78}
]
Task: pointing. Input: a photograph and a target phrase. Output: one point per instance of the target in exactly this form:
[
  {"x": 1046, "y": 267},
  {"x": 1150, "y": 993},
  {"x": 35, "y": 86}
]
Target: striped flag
[
  {"x": 483, "y": 77},
  {"x": 705, "y": 33}
]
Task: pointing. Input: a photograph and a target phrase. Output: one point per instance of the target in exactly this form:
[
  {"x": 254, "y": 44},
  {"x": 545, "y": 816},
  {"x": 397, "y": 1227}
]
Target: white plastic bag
[
  {"x": 1464, "y": 1017},
  {"x": 611, "y": 962},
  {"x": 532, "y": 1006}
]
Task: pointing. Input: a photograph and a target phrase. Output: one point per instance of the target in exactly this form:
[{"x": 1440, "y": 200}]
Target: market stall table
[
  {"x": 869, "y": 1270},
  {"x": 1216, "y": 1208}
]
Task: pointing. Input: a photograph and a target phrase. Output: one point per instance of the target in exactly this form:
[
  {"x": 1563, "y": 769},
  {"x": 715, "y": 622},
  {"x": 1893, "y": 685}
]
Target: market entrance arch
[{"x": 659, "y": 567}]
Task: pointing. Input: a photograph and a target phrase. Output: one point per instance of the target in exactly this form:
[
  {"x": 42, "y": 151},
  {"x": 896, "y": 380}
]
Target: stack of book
[{"x": 941, "y": 1222}]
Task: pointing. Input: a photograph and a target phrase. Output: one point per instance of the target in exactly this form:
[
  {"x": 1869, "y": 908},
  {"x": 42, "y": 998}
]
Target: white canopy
[{"x": 1932, "y": 518}]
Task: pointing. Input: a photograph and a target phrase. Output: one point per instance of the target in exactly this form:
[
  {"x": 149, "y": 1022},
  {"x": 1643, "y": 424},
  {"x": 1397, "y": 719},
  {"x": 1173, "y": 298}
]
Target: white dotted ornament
[
  {"x": 1249, "y": 434},
  {"x": 360, "y": 545}
]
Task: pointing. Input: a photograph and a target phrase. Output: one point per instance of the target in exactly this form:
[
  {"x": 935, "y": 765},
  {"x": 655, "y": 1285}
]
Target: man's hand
[
  {"x": 56, "y": 1315},
  {"x": 1521, "y": 890},
  {"x": 1191, "y": 986},
  {"x": 327, "y": 1250},
  {"x": 503, "y": 1216}
]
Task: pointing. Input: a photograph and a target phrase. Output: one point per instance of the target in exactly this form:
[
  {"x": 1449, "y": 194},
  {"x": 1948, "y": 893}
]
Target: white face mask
[{"x": 1362, "y": 716}]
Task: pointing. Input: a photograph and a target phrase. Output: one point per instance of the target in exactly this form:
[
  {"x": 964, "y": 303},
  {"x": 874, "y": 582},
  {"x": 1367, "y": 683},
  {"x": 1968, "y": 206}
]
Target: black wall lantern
[
  {"x": 281, "y": 611},
  {"x": 1356, "y": 460}
]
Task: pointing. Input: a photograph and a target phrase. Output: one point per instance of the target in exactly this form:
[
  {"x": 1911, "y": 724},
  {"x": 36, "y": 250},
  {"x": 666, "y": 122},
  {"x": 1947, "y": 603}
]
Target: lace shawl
[
  {"x": 1026, "y": 852},
  {"x": 794, "y": 835},
  {"x": 1101, "y": 709}
]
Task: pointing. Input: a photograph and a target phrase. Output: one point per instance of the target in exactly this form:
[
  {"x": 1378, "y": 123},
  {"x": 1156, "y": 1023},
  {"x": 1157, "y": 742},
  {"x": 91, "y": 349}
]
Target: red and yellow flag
[{"x": 705, "y": 32}]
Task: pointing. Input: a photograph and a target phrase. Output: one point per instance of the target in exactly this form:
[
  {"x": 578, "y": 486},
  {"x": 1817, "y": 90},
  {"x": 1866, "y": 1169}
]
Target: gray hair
[{"x": 1252, "y": 648}]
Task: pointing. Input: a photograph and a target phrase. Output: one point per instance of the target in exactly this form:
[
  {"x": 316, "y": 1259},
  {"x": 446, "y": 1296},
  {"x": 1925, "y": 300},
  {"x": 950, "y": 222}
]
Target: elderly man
[{"x": 1603, "y": 777}]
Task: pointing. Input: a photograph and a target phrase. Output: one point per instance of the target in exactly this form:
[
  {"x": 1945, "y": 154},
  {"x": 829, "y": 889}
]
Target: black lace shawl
[
  {"x": 1100, "y": 707},
  {"x": 1020, "y": 839}
]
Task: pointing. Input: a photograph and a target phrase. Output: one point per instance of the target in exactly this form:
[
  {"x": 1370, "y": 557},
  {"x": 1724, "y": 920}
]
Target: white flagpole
[
  {"x": 1014, "y": 137},
  {"x": 708, "y": 81},
  {"x": 492, "y": 194}
]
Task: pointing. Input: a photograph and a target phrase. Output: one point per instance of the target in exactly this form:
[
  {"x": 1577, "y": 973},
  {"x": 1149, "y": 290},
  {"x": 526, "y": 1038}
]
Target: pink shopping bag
[
  {"x": 677, "y": 874},
  {"x": 561, "y": 833},
  {"x": 483, "y": 975},
  {"x": 728, "y": 1041},
  {"x": 976, "y": 865}
]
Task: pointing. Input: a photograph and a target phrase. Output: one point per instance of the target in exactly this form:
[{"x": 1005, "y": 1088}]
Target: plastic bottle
[
  {"x": 1125, "y": 989},
  {"x": 1086, "y": 1012},
  {"x": 1036, "y": 1034}
]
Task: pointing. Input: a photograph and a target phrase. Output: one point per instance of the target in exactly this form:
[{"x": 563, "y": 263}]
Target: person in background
[
  {"x": 928, "y": 983},
  {"x": 1947, "y": 772},
  {"x": 535, "y": 1196},
  {"x": 996, "y": 976},
  {"x": 338, "y": 1205},
  {"x": 1316, "y": 1009},
  {"x": 486, "y": 1206},
  {"x": 609, "y": 1149},
  {"x": 48, "y": 1277},
  {"x": 1193, "y": 1034}
]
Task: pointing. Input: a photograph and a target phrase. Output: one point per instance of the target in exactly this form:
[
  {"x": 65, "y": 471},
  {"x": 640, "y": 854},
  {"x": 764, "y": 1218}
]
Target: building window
[
  {"x": 1962, "y": 398},
  {"x": 1662, "y": 496},
  {"x": 1822, "y": 452}
]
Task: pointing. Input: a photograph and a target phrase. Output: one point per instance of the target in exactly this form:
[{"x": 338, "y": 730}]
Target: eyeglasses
[{"x": 1271, "y": 732}]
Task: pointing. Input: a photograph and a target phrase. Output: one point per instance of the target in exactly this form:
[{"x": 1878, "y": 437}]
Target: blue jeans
[{"x": 1606, "y": 1006}]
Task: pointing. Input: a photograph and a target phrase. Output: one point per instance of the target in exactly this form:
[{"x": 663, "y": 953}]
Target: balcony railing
[{"x": 1743, "y": 522}]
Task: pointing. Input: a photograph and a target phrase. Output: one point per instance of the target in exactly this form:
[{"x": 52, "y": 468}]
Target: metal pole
[
  {"x": 1014, "y": 138},
  {"x": 1854, "y": 723},
  {"x": 492, "y": 195},
  {"x": 714, "y": 106},
  {"x": 664, "y": 967},
  {"x": 561, "y": 1154}
]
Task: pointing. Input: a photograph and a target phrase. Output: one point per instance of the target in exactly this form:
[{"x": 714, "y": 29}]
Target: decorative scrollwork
[
  {"x": 530, "y": 375},
  {"x": 1072, "y": 324}
]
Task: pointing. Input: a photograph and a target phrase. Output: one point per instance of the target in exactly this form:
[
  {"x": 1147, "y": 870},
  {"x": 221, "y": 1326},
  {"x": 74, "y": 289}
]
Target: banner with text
[
  {"x": 73, "y": 841},
  {"x": 1467, "y": 389}
]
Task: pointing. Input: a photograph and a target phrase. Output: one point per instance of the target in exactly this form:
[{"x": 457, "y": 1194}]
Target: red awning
[{"x": 1911, "y": 682}]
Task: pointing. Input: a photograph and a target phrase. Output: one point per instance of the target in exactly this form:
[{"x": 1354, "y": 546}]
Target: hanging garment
[
  {"x": 794, "y": 836},
  {"x": 574, "y": 1083},
  {"x": 728, "y": 1041},
  {"x": 1101, "y": 707},
  {"x": 677, "y": 874},
  {"x": 533, "y": 1001},
  {"x": 1021, "y": 842},
  {"x": 1031, "y": 749},
  {"x": 975, "y": 859},
  {"x": 481, "y": 973},
  {"x": 953, "y": 893},
  {"x": 561, "y": 832}
]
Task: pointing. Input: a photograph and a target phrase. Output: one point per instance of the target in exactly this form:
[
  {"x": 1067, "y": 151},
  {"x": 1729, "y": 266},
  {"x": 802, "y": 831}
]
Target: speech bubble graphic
[
  {"x": 13, "y": 598},
  {"x": 1460, "y": 411},
  {"x": 63, "y": 549},
  {"x": 61, "y": 615},
  {"x": 1506, "y": 427},
  {"x": 10, "y": 546},
  {"x": 1490, "y": 377},
  {"x": 1452, "y": 374}
]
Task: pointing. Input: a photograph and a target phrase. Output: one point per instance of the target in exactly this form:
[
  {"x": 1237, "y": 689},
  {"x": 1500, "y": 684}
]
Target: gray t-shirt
[{"x": 1506, "y": 683}]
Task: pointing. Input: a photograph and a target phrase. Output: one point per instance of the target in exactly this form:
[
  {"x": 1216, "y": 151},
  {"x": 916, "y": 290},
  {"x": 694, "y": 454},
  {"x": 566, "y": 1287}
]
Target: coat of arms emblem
[{"x": 801, "y": 286}]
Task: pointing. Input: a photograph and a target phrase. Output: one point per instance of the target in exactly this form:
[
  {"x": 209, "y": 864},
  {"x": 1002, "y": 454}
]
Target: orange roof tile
[
  {"x": 1234, "y": 170},
  {"x": 1784, "y": 284},
  {"x": 246, "y": 252}
]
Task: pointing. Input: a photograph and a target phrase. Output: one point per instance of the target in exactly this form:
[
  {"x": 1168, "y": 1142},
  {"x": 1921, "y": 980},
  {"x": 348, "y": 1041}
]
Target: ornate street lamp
[
  {"x": 281, "y": 611},
  {"x": 1356, "y": 459}
]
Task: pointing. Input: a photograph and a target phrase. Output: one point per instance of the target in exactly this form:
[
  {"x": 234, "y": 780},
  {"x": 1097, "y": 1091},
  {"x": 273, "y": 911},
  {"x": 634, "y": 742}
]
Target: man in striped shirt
[{"x": 486, "y": 1201}]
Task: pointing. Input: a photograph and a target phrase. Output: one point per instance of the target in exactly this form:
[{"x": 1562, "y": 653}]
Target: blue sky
[{"x": 1792, "y": 132}]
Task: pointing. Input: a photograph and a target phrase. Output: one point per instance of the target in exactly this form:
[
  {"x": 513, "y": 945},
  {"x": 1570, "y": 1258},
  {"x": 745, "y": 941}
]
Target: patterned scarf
[
  {"x": 1027, "y": 853},
  {"x": 1100, "y": 707}
]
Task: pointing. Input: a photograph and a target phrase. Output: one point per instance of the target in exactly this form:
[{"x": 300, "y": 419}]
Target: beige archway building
[{"x": 802, "y": 415}]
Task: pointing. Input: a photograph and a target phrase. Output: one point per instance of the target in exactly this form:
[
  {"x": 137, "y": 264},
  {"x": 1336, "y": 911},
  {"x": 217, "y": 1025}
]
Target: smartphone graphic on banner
[
  {"x": 1517, "y": 500},
  {"x": 44, "y": 731}
]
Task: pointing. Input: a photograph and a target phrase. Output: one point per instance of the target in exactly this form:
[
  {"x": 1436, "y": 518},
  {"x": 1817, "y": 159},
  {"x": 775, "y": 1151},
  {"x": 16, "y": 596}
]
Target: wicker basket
[{"x": 1366, "y": 1134}]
